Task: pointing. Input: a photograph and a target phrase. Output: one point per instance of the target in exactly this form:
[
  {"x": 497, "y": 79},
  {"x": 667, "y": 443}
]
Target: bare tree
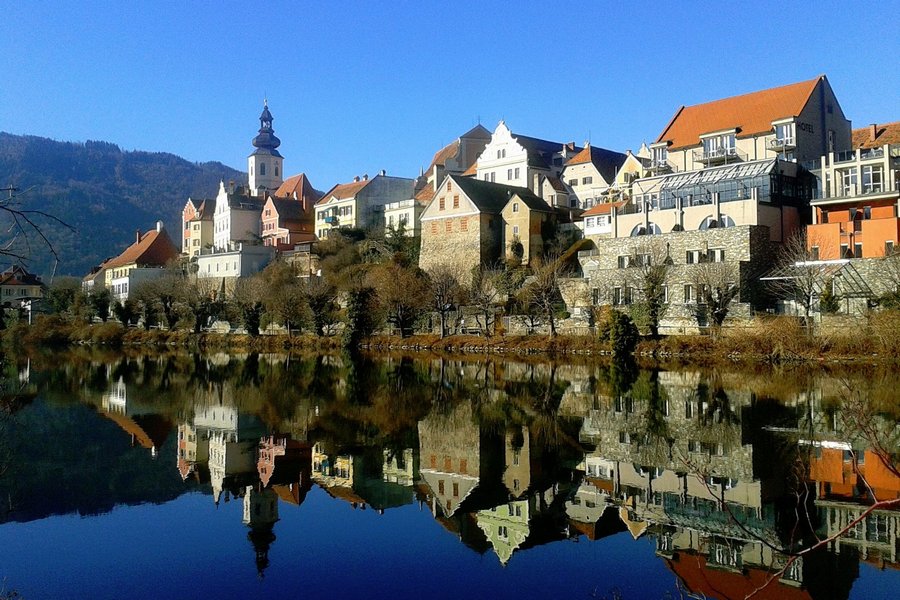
[
  {"x": 249, "y": 300},
  {"x": 19, "y": 226},
  {"x": 321, "y": 297},
  {"x": 798, "y": 277},
  {"x": 542, "y": 293},
  {"x": 483, "y": 294},
  {"x": 650, "y": 272},
  {"x": 718, "y": 284},
  {"x": 403, "y": 293},
  {"x": 446, "y": 290}
]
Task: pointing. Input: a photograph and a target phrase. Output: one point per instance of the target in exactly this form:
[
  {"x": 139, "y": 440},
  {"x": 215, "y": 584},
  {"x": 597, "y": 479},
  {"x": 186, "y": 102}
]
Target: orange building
[{"x": 856, "y": 213}]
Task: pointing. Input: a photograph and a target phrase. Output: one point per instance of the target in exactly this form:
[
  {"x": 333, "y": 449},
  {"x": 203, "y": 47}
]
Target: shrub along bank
[{"x": 774, "y": 339}]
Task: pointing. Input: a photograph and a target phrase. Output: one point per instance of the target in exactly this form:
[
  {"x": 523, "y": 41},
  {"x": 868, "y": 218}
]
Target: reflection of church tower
[
  {"x": 265, "y": 163},
  {"x": 260, "y": 514}
]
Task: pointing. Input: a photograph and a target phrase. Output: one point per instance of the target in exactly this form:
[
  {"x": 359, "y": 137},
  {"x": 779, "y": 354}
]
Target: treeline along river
[{"x": 193, "y": 476}]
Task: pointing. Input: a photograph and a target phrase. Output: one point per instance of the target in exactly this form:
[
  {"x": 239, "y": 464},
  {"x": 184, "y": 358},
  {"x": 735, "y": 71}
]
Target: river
[{"x": 195, "y": 476}]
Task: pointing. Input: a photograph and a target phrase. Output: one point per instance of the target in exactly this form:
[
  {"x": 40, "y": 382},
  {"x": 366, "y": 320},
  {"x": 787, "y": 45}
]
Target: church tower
[{"x": 265, "y": 163}]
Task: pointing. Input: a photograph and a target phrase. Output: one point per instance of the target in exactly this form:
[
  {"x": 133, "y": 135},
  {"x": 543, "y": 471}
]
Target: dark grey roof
[
  {"x": 540, "y": 152},
  {"x": 492, "y": 197},
  {"x": 288, "y": 209}
]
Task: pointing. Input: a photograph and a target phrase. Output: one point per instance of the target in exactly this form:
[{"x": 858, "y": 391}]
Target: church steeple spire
[{"x": 265, "y": 163}]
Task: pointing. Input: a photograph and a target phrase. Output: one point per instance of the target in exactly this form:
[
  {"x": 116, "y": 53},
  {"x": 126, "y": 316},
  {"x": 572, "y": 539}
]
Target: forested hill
[{"x": 105, "y": 193}]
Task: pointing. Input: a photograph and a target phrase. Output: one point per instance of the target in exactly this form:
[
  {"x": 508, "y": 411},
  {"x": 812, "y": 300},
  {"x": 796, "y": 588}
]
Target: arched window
[
  {"x": 262, "y": 169},
  {"x": 276, "y": 170},
  {"x": 711, "y": 223}
]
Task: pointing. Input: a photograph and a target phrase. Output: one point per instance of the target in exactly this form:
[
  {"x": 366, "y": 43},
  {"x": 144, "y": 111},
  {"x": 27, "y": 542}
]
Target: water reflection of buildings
[
  {"x": 370, "y": 478},
  {"x": 146, "y": 428}
]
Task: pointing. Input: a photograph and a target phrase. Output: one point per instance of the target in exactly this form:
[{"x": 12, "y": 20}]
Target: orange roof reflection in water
[{"x": 729, "y": 585}]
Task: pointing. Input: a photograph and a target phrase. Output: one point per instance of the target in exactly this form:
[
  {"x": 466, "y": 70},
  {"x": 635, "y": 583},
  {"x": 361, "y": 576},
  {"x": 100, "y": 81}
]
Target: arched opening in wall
[
  {"x": 276, "y": 170},
  {"x": 262, "y": 169},
  {"x": 651, "y": 229},
  {"x": 711, "y": 223},
  {"x": 677, "y": 227}
]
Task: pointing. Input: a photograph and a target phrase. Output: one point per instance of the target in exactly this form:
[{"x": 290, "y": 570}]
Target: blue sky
[{"x": 359, "y": 87}]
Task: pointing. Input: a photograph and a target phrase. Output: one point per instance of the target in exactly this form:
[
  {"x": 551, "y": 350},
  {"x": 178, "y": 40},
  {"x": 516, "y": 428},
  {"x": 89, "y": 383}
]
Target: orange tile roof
[
  {"x": 889, "y": 133},
  {"x": 300, "y": 185},
  {"x": 425, "y": 195},
  {"x": 751, "y": 113},
  {"x": 445, "y": 153},
  {"x": 602, "y": 209},
  {"x": 343, "y": 191},
  {"x": 154, "y": 248},
  {"x": 471, "y": 171}
]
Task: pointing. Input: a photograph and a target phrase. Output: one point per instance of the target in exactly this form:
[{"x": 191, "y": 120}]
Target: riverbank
[{"x": 771, "y": 340}]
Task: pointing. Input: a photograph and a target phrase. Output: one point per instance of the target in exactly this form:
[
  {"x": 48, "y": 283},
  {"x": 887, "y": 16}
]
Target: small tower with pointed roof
[{"x": 265, "y": 163}]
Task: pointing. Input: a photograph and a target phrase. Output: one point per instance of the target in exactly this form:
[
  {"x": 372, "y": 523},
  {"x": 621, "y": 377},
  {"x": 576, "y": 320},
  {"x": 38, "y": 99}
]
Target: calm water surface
[{"x": 189, "y": 476}]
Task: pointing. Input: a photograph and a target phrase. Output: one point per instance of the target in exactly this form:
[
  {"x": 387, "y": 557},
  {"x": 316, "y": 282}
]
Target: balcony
[
  {"x": 658, "y": 166},
  {"x": 718, "y": 156},
  {"x": 783, "y": 144},
  {"x": 332, "y": 220}
]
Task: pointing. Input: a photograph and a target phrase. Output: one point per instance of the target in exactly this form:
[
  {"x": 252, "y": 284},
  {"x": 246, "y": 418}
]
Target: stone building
[{"x": 464, "y": 225}]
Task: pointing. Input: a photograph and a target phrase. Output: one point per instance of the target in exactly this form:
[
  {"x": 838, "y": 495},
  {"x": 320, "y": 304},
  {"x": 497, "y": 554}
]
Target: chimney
[
  {"x": 365, "y": 176},
  {"x": 356, "y": 179},
  {"x": 873, "y": 132},
  {"x": 382, "y": 172},
  {"x": 159, "y": 226},
  {"x": 137, "y": 236}
]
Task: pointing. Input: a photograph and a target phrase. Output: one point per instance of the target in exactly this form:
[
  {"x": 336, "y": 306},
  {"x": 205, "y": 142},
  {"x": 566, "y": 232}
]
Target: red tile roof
[
  {"x": 751, "y": 113},
  {"x": 342, "y": 191},
  {"x": 889, "y": 133},
  {"x": 472, "y": 170},
  {"x": 444, "y": 154},
  {"x": 425, "y": 195},
  {"x": 16, "y": 275},
  {"x": 601, "y": 209},
  {"x": 154, "y": 249},
  {"x": 300, "y": 185}
]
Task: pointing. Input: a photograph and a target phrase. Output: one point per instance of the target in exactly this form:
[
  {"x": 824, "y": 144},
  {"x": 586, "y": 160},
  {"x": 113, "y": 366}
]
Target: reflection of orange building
[
  {"x": 715, "y": 582},
  {"x": 836, "y": 477},
  {"x": 856, "y": 214}
]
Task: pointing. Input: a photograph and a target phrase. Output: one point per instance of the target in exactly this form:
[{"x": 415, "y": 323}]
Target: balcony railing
[
  {"x": 332, "y": 220},
  {"x": 715, "y": 156},
  {"x": 864, "y": 154},
  {"x": 660, "y": 166},
  {"x": 782, "y": 144}
]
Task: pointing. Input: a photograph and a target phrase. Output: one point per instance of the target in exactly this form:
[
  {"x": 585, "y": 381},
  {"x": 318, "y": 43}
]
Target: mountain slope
[{"x": 105, "y": 193}]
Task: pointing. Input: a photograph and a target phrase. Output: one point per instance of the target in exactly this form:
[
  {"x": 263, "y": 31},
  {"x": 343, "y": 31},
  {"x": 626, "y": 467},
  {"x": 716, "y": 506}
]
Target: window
[
  {"x": 455, "y": 201},
  {"x": 716, "y": 255},
  {"x": 623, "y": 261},
  {"x": 448, "y": 227},
  {"x": 784, "y": 134},
  {"x": 688, "y": 293},
  {"x": 857, "y": 250},
  {"x": 872, "y": 180},
  {"x": 509, "y": 174},
  {"x": 262, "y": 169},
  {"x": 487, "y": 176},
  {"x": 463, "y": 466},
  {"x": 516, "y": 172},
  {"x": 629, "y": 295},
  {"x": 455, "y": 490},
  {"x": 845, "y": 251},
  {"x": 848, "y": 182},
  {"x": 587, "y": 180},
  {"x": 665, "y": 294},
  {"x": 831, "y": 140},
  {"x": 276, "y": 170},
  {"x": 692, "y": 257},
  {"x": 888, "y": 248},
  {"x": 624, "y": 438},
  {"x": 814, "y": 252},
  {"x": 493, "y": 177},
  {"x": 660, "y": 156},
  {"x": 589, "y": 222},
  {"x": 718, "y": 145},
  {"x": 617, "y": 296},
  {"x": 515, "y": 207},
  {"x": 573, "y": 182},
  {"x": 515, "y": 230},
  {"x": 441, "y": 487},
  {"x": 441, "y": 203},
  {"x": 464, "y": 224},
  {"x": 434, "y": 227}
]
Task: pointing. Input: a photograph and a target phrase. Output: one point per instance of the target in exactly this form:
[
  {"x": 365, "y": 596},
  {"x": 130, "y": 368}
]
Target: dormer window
[{"x": 784, "y": 133}]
